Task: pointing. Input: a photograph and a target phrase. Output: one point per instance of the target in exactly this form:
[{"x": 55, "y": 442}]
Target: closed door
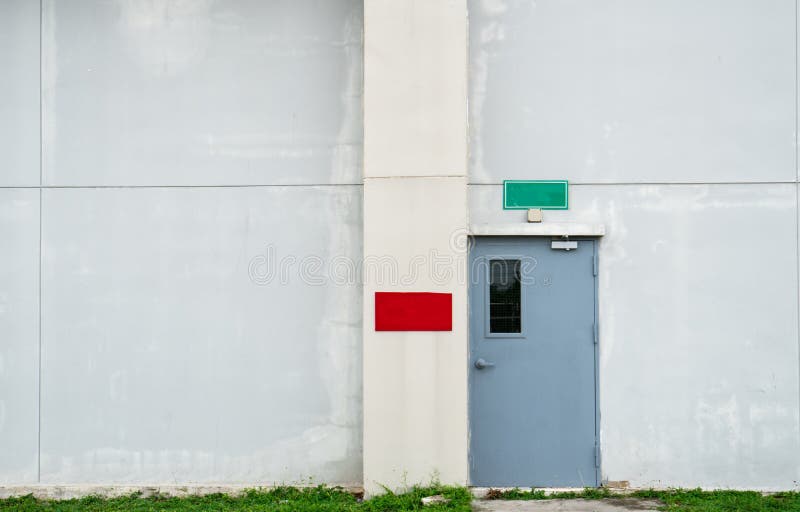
[{"x": 532, "y": 368}]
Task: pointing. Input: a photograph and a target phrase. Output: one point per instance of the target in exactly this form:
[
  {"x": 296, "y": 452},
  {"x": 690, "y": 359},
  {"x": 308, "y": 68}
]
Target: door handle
[{"x": 482, "y": 363}]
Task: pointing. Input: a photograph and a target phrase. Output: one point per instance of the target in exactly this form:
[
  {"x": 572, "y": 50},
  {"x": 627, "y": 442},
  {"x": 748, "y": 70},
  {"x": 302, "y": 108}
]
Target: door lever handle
[{"x": 482, "y": 363}]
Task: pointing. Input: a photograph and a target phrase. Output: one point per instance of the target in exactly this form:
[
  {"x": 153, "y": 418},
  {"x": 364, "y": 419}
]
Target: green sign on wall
[{"x": 543, "y": 194}]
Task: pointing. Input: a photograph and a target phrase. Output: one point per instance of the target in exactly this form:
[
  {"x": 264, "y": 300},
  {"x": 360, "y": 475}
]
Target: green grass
[
  {"x": 283, "y": 499},
  {"x": 329, "y": 499},
  {"x": 676, "y": 500},
  {"x": 681, "y": 500}
]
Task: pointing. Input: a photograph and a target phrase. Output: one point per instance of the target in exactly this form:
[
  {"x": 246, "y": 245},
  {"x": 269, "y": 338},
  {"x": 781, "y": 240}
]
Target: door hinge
[
  {"x": 596, "y": 333},
  {"x": 596, "y": 455},
  {"x": 594, "y": 263}
]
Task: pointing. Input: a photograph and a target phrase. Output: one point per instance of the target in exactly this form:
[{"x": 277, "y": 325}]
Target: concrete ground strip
[{"x": 578, "y": 505}]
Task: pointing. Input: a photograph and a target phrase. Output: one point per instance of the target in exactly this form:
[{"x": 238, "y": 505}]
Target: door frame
[{"x": 520, "y": 239}]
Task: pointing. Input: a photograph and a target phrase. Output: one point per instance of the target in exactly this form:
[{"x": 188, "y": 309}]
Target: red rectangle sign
[{"x": 413, "y": 311}]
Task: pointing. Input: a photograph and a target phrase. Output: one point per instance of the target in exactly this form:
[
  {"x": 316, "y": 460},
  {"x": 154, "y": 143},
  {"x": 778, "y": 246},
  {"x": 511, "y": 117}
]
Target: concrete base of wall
[
  {"x": 66, "y": 492},
  {"x": 480, "y": 493}
]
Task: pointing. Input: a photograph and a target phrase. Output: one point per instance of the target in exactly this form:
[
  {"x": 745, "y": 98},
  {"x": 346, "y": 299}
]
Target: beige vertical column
[{"x": 415, "y": 219}]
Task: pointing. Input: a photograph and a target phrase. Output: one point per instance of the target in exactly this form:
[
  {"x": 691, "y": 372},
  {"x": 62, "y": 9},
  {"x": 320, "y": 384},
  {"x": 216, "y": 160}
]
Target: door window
[{"x": 505, "y": 296}]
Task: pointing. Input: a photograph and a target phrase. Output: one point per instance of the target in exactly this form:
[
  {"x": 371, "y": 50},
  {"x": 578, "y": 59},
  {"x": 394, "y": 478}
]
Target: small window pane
[{"x": 505, "y": 296}]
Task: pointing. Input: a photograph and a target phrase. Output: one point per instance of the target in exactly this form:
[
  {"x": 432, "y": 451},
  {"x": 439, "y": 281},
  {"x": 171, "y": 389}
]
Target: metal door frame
[{"x": 520, "y": 240}]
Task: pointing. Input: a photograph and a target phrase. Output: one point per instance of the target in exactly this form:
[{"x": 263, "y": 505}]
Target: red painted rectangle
[{"x": 413, "y": 311}]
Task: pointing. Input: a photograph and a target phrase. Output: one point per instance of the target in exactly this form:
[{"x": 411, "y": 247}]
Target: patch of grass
[
  {"x": 282, "y": 499},
  {"x": 460, "y": 499},
  {"x": 696, "y": 500},
  {"x": 675, "y": 500}
]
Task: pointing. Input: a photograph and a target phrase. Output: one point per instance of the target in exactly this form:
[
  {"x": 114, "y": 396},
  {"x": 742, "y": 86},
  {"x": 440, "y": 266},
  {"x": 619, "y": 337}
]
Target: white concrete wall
[
  {"x": 19, "y": 109},
  {"x": 19, "y": 332},
  {"x": 181, "y": 143},
  {"x": 675, "y": 123},
  {"x": 415, "y": 383},
  {"x": 184, "y": 144},
  {"x": 19, "y": 240}
]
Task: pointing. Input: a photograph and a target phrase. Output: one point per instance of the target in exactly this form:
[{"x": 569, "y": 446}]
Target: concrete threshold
[
  {"x": 574, "y": 505},
  {"x": 480, "y": 492}
]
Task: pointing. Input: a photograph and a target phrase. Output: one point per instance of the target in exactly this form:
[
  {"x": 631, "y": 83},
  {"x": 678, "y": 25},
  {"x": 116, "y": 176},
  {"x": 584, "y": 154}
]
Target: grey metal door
[{"x": 532, "y": 373}]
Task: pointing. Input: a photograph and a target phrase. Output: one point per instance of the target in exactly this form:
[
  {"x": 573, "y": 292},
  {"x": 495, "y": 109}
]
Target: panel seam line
[
  {"x": 46, "y": 187},
  {"x": 41, "y": 159},
  {"x": 797, "y": 197},
  {"x": 648, "y": 183}
]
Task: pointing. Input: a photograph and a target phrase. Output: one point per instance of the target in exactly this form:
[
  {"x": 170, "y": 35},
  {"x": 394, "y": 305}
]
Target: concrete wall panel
[
  {"x": 165, "y": 360},
  {"x": 202, "y": 92},
  {"x": 19, "y": 93},
  {"x": 415, "y": 188},
  {"x": 630, "y": 91},
  {"x": 415, "y": 105},
  {"x": 415, "y": 383},
  {"x": 19, "y": 335},
  {"x": 698, "y": 330}
]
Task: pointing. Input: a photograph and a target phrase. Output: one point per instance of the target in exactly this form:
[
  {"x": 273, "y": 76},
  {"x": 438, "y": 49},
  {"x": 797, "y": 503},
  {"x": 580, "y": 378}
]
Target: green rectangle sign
[{"x": 543, "y": 194}]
